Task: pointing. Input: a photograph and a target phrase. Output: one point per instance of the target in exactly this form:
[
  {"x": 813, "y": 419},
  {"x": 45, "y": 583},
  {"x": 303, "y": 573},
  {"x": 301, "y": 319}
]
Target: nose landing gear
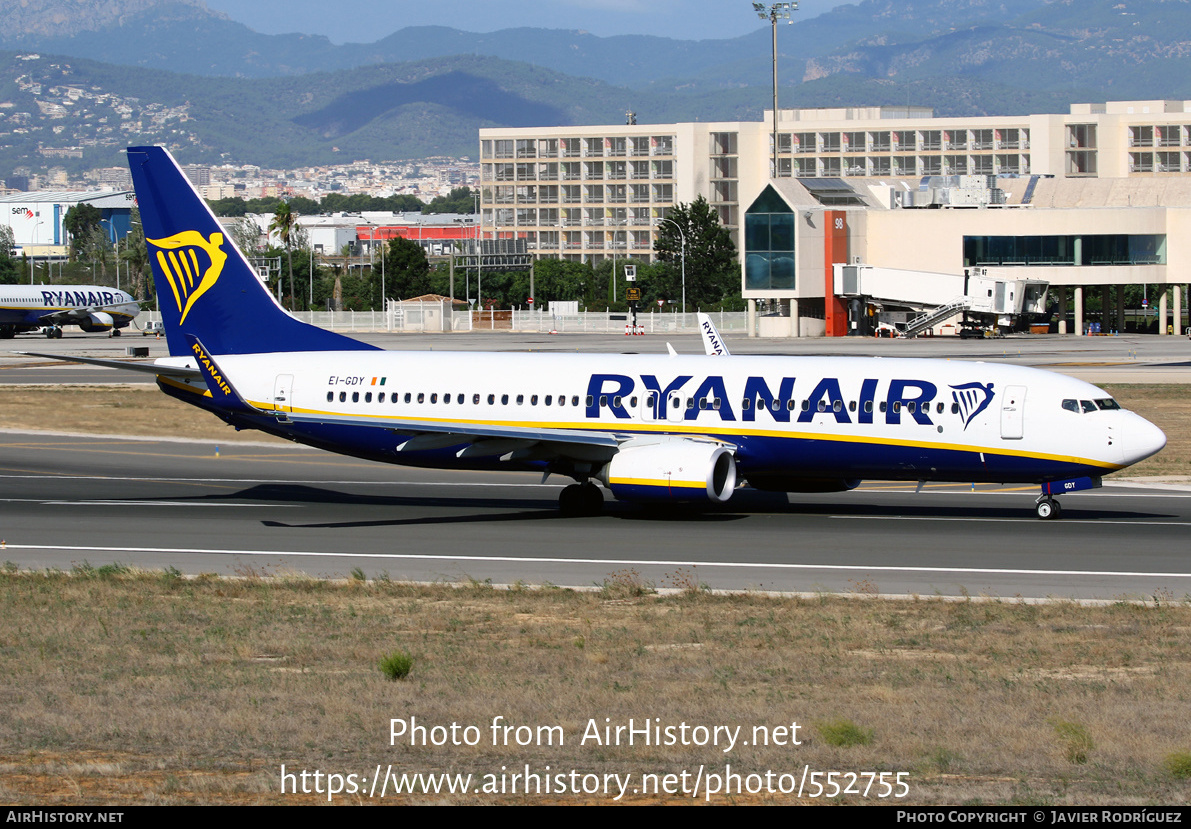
[{"x": 1048, "y": 508}]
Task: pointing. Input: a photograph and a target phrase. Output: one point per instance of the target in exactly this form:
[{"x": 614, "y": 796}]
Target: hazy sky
[{"x": 365, "y": 21}]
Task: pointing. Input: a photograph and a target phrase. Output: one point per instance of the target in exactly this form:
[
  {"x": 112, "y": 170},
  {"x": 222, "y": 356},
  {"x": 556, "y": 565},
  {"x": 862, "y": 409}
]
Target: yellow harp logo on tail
[{"x": 191, "y": 263}]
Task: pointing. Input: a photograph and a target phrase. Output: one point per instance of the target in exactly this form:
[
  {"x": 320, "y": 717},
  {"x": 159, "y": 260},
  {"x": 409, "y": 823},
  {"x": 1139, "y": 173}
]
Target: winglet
[
  {"x": 713, "y": 343},
  {"x": 222, "y": 390}
]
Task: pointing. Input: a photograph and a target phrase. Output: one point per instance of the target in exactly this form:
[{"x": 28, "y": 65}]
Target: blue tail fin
[{"x": 205, "y": 286}]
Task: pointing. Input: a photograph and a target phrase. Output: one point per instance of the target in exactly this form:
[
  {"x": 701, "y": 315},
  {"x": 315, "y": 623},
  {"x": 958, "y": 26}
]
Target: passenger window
[
  {"x": 521, "y": 400},
  {"x": 446, "y": 398},
  {"x": 342, "y": 397},
  {"x": 368, "y": 397},
  {"x": 884, "y": 405},
  {"x": 330, "y": 396},
  {"x": 868, "y": 407},
  {"x": 822, "y": 406},
  {"x": 616, "y": 401},
  {"x": 939, "y": 408},
  {"x": 380, "y": 398},
  {"x": 955, "y": 408},
  {"x": 504, "y": 400},
  {"x": 409, "y": 397},
  {"x": 633, "y": 402},
  {"x": 491, "y": 399},
  {"x": 459, "y": 399},
  {"x": 548, "y": 398},
  {"x": 837, "y": 406},
  {"x": 434, "y": 397},
  {"x": 421, "y": 397},
  {"x": 852, "y": 406},
  {"x": 716, "y": 404},
  {"x": 603, "y": 401},
  {"x": 744, "y": 404},
  {"x": 1071, "y": 406},
  {"x": 393, "y": 399},
  {"x": 575, "y": 400},
  {"x": 355, "y": 397},
  {"x": 475, "y": 400},
  {"x": 911, "y": 406},
  {"x": 806, "y": 405},
  {"x": 897, "y": 406},
  {"x": 702, "y": 402},
  {"x": 690, "y": 403},
  {"x": 533, "y": 401}
]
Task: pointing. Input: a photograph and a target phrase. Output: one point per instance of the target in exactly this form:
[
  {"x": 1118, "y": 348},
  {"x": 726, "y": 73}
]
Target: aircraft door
[
  {"x": 648, "y": 401},
  {"x": 283, "y": 389},
  {"x": 1013, "y": 408},
  {"x": 675, "y": 407}
]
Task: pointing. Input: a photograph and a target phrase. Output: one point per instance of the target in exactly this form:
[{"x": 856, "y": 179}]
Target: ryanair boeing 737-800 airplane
[
  {"x": 90, "y": 307},
  {"x": 651, "y": 429}
]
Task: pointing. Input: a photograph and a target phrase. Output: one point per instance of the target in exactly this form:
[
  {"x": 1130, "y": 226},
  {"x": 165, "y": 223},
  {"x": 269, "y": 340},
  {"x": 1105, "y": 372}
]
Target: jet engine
[
  {"x": 671, "y": 469},
  {"x": 97, "y": 321}
]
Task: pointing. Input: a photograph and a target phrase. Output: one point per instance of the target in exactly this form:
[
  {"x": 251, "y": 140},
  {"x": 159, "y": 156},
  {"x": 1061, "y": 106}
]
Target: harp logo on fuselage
[{"x": 191, "y": 265}]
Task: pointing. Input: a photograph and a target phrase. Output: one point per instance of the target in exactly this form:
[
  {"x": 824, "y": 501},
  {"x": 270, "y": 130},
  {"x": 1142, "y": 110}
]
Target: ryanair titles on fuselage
[
  {"x": 57, "y": 299},
  {"x": 901, "y": 397}
]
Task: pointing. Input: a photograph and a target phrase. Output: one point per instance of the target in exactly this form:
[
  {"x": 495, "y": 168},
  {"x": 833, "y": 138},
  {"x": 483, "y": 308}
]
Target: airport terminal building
[{"x": 1090, "y": 200}]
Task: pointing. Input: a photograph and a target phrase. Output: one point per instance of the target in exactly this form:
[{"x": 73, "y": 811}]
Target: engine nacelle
[
  {"x": 671, "y": 469},
  {"x": 97, "y": 321}
]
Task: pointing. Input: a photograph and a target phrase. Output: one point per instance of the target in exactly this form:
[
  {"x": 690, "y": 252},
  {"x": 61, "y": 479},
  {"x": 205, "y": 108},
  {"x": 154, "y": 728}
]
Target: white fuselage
[{"x": 809, "y": 416}]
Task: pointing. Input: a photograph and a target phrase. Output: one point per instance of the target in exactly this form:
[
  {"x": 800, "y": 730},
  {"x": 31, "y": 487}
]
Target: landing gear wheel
[
  {"x": 1048, "y": 509},
  {"x": 581, "y": 499},
  {"x": 57, "y": 333},
  {"x": 115, "y": 332}
]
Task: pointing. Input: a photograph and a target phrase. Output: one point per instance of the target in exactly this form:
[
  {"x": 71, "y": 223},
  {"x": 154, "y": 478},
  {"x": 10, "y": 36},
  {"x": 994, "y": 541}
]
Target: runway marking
[
  {"x": 617, "y": 562},
  {"x": 134, "y": 503},
  {"x": 1096, "y": 521}
]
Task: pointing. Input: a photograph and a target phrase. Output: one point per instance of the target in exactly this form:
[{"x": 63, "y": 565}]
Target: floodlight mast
[{"x": 774, "y": 13}]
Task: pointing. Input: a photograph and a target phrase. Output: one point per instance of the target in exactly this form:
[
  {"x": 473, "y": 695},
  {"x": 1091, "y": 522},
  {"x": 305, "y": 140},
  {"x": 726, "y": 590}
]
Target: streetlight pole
[
  {"x": 775, "y": 12},
  {"x": 682, "y": 236}
]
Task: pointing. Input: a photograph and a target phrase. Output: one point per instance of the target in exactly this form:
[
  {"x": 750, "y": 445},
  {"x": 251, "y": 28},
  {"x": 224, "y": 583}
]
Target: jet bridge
[{"x": 924, "y": 300}]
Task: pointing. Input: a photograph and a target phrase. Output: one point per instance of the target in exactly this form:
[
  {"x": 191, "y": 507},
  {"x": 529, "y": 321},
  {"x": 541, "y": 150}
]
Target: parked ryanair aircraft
[
  {"x": 90, "y": 307},
  {"x": 651, "y": 429}
]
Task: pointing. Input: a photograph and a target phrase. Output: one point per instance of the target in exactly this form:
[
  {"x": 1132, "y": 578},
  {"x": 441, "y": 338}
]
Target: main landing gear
[
  {"x": 583, "y": 499},
  {"x": 53, "y": 332}
]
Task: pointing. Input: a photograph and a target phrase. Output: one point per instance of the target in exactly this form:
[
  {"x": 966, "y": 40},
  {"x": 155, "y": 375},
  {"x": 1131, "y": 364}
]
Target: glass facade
[
  {"x": 769, "y": 244},
  {"x": 1100, "y": 249}
]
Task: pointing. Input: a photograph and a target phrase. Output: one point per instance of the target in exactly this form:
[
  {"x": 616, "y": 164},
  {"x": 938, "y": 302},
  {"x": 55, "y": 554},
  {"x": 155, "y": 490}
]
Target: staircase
[{"x": 929, "y": 318}]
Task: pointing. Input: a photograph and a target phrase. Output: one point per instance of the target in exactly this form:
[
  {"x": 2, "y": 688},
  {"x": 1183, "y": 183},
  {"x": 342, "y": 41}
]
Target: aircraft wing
[
  {"x": 68, "y": 316},
  {"x": 468, "y": 432},
  {"x": 181, "y": 372}
]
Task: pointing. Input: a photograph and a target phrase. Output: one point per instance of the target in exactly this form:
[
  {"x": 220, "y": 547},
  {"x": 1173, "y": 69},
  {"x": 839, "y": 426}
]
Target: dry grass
[
  {"x": 151, "y": 688},
  {"x": 141, "y": 411}
]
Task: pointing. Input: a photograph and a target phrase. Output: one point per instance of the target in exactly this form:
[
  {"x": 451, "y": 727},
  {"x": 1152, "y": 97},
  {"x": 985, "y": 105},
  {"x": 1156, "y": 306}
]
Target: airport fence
[{"x": 434, "y": 317}]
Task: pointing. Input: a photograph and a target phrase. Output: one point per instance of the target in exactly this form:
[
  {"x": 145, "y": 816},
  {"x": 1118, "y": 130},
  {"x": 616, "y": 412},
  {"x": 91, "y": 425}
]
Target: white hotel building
[{"x": 1070, "y": 181}]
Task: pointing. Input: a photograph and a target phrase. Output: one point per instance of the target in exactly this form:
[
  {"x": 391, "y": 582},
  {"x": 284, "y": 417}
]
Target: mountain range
[{"x": 426, "y": 90}]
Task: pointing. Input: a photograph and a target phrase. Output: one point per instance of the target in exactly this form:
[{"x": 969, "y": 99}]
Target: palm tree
[{"x": 283, "y": 224}]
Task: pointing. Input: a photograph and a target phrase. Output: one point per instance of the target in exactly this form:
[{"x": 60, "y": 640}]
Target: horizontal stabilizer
[{"x": 181, "y": 372}]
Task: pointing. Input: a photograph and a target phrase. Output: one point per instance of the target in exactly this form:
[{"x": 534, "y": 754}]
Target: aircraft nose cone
[{"x": 1144, "y": 439}]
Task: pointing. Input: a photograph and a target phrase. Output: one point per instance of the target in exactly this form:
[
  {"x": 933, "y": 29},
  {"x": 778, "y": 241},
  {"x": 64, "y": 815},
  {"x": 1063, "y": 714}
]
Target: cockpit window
[
  {"x": 1087, "y": 406},
  {"x": 1071, "y": 406},
  {"x": 1108, "y": 404}
]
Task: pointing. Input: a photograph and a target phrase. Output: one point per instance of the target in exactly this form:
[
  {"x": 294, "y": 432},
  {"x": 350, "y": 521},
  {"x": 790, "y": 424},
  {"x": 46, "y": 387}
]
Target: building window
[{"x": 769, "y": 244}]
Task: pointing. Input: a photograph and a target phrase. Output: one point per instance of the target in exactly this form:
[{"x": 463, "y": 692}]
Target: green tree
[
  {"x": 136, "y": 257},
  {"x": 712, "y": 273},
  {"x": 407, "y": 271},
  {"x": 459, "y": 200},
  {"x": 284, "y": 221},
  {"x": 10, "y": 271},
  {"x": 81, "y": 219}
]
